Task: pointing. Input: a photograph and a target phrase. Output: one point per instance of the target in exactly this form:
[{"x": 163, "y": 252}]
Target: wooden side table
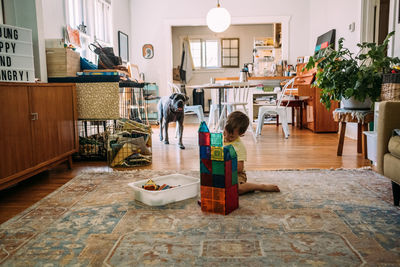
[
  {"x": 295, "y": 103},
  {"x": 362, "y": 118}
]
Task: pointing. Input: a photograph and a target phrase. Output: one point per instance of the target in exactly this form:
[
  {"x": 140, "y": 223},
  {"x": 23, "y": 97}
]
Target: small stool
[{"x": 362, "y": 118}]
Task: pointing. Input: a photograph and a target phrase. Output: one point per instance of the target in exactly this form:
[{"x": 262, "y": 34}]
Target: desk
[{"x": 362, "y": 118}]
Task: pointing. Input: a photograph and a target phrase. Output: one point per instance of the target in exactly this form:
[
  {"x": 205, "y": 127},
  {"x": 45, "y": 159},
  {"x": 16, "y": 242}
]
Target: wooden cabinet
[
  {"x": 38, "y": 128},
  {"x": 318, "y": 118}
]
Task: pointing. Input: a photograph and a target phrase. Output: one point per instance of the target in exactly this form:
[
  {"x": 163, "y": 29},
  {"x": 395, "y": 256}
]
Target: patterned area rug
[{"x": 320, "y": 217}]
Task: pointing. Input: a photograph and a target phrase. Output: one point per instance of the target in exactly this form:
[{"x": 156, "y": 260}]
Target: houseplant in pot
[{"x": 342, "y": 75}]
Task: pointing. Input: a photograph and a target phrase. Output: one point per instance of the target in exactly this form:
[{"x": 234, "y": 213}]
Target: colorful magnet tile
[
  {"x": 205, "y": 166},
  {"x": 234, "y": 164},
  {"x": 218, "y": 207},
  {"x": 233, "y": 152},
  {"x": 217, "y": 153},
  {"x": 208, "y": 164},
  {"x": 228, "y": 173},
  {"x": 218, "y": 194},
  {"x": 203, "y": 127},
  {"x": 232, "y": 199},
  {"x": 218, "y": 167},
  {"x": 206, "y": 179},
  {"x": 227, "y": 153},
  {"x": 218, "y": 181},
  {"x": 207, "y": 205},
  {"x": 204, "y": 139},
  {"x": 234, "y": 177},
  {"x": 205, "y": 152},
  {"x": 206, "y": 192},
  {"x": 216, "y": 139}
]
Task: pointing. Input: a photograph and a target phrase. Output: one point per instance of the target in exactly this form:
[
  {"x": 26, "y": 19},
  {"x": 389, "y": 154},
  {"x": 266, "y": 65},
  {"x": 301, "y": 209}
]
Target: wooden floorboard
[{"x": 302, "y": 150}]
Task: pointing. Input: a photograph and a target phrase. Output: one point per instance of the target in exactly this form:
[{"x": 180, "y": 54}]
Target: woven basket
[{"x": 390, "y": 87}]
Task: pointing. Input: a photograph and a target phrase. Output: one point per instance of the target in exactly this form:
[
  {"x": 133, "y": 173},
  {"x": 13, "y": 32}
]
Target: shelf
[{"x": 265, "y": 47}]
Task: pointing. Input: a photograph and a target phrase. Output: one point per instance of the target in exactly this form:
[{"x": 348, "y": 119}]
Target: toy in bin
[
  {"x": 152, "y": 186},
  {"x": 218, "y": 173},
  {"x": 163, "y": 190}
]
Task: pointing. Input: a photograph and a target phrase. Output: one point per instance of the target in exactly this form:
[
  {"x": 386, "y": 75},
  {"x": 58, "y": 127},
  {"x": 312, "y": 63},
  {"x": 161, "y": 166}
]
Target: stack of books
[{"x": 103, "y": 72}]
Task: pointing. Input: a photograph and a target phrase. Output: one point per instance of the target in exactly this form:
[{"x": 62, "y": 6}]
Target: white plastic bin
[
  {"x": 371, "y": 145},
  {"x": 186, "y": 187}
]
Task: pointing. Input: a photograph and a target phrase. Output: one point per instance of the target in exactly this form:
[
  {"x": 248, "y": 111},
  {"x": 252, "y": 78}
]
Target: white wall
[
  {"x": 121, "y": 22},
  {"x": 53, "y": 18},
  {"x": 149, "y": 17},
  {"x": 338, "y": 14}
]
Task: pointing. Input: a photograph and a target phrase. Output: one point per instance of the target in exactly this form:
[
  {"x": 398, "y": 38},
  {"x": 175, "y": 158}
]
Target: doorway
[{"x": 375, "y": 20}]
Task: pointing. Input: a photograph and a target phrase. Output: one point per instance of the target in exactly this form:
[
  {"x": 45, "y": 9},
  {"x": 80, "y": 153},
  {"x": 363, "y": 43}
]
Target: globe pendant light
[{"x": 218, "y": 19}]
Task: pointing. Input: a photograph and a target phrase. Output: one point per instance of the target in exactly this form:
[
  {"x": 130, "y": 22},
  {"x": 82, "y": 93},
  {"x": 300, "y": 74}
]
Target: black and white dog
[{"x": 171, "y": 109}]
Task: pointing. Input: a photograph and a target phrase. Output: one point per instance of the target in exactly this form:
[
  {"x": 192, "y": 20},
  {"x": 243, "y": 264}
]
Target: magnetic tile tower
[{"x": 218, "y": 170}]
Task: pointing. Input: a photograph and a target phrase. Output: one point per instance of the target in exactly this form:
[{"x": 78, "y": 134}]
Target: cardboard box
[{"x": 62, "y": 62}]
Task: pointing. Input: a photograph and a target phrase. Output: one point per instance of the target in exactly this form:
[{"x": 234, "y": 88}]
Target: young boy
[{"x": 235, "y": 127}]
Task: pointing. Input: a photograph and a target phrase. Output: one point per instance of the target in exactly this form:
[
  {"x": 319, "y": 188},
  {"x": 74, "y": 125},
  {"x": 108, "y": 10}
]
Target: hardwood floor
[{"x": 303, "y": 150}]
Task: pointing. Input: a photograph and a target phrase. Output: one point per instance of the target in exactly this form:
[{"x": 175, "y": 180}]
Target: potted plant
[{"x": 342, "y": 75}]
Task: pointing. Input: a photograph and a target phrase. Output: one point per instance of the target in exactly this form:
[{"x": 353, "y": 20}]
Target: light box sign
[{"x": 16, "y": 54}]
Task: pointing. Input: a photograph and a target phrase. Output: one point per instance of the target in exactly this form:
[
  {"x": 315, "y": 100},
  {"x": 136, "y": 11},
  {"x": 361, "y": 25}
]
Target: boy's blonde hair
[{"x": 237, "y": 120}]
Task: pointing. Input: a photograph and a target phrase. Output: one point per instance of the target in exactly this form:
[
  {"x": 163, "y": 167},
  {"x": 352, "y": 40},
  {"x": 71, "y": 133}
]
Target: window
[
  {"x": 77, "y": 13},
  {"x": 230, "y": 52},
  {"x": 97, "y": 22},
  {"x": 103, "y": 21},
  {"x": 205, "y": 53}
]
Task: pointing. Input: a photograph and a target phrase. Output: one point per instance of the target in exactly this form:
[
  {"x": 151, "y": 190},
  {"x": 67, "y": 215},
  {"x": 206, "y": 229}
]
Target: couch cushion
[
  {"x": 391, "y": 167},
  {"x": 394, "y": 146}
]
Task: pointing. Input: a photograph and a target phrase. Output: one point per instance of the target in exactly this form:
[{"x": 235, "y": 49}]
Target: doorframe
[
  {"x": 168, "y": 24},
  {"x": 367, "y": 21}
]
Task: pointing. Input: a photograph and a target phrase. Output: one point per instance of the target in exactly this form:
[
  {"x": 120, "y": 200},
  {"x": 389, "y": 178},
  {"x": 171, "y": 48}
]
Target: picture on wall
[
  {"x": 148, "y": 51},
  {"x": 123, "y": 46}
]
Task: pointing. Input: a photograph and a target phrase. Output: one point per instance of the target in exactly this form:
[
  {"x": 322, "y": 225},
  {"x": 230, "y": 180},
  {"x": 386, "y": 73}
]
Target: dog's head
[{"x": 178, "y": 102}]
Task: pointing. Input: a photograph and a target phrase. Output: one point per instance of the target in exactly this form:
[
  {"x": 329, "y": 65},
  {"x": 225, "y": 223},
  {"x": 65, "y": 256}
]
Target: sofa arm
[{"x": 389, "y": 119}]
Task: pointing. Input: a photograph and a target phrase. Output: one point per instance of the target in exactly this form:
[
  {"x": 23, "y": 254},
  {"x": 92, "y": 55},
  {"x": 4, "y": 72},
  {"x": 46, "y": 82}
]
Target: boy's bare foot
[{"x": 269, "y": 188}]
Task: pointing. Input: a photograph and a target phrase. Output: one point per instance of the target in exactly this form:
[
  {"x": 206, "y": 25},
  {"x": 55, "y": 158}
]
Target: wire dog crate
[
  {"x": 93, "y": 135},
  {"x": 130, "y": 145}
]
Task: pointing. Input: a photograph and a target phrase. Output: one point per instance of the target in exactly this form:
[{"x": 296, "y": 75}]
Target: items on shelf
[
  {"x": 267, "y": 57},
  {"x": 130, "y": 145},
  {"x": 103, "y": 72}
]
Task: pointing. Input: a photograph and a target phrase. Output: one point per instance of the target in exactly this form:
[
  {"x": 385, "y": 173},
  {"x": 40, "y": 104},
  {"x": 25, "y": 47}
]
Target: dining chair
[
  {"x": 236, "y": 98},
  {"x": 214, "y": 111},
  {"x": 277, "y": 109}
]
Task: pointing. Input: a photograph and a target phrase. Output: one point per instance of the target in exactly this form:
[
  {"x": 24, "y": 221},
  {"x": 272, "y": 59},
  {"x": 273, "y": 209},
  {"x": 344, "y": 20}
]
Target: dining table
[{"x": 221, "y": 87}]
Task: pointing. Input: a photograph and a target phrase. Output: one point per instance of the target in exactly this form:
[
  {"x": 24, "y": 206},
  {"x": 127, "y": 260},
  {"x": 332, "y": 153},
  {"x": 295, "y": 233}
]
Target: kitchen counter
[{"x": 255, "y": 78}]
